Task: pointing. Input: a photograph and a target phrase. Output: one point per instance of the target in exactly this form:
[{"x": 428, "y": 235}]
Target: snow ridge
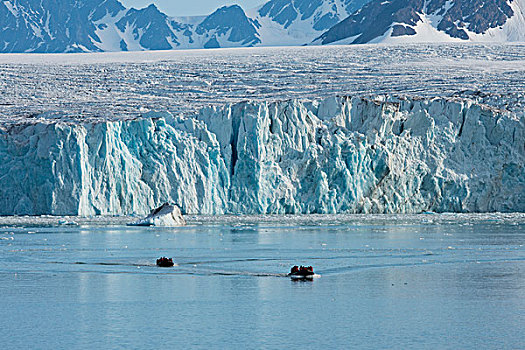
[{"x": 337, "y": 155}]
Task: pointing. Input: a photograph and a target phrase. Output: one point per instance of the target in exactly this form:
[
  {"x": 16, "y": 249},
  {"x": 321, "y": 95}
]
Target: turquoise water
[{"x": 418, "y": 283}]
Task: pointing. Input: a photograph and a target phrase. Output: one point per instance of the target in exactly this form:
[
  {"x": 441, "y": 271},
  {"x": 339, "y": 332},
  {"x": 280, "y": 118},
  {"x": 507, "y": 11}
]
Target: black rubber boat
[
  {"x": 301, "y": 272},
  {"x": 165, "y": 262}
]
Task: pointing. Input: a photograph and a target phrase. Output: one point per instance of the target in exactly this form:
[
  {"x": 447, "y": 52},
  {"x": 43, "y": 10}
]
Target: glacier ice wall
[{"x": 340, "y": 154}]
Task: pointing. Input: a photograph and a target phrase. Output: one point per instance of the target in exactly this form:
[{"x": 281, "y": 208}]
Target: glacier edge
[{"x": 335, "y": 155}]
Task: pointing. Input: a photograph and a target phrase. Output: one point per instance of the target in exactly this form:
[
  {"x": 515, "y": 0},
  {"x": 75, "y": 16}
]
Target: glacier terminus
[
  {"x": 339, "y": 129},
  {"x": 332, "y": 155}
]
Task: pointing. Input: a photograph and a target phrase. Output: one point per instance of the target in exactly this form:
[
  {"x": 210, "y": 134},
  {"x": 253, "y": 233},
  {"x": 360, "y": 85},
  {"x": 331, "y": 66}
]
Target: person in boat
[
  {"x": 165, "y": 262},
  {"x": 302, "y": 271}
]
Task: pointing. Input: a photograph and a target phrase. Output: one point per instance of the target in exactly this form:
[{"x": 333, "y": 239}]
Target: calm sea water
[{"x": 419, "y": 284}]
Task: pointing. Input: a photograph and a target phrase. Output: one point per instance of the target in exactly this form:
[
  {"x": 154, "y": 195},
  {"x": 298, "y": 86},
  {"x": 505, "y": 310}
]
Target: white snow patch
[
  {"x": 345, "y": 41},
  {"x": 426, "y": 32},
  {"x": 512, "y": 30},
  {"x": 46, "y": 26},
  {"x": 12, "y": 8},
  {"x": 37, "y": 30},
  {"x": 131, "y": 39},
  {"x": 110, "y": 36}
]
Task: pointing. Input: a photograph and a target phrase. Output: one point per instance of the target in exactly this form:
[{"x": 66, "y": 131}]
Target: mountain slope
[
  {"x": 37, "y": 25},
  {"x": 106, "y": 25},
  {"x": 431, "y": 20},
  {"x": 297, "y": 22}
]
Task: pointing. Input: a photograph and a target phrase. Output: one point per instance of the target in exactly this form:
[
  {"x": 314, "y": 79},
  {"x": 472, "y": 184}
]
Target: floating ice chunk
[
  {"x": 67, "y": 222},
  {"x": 168, "y": 215}
]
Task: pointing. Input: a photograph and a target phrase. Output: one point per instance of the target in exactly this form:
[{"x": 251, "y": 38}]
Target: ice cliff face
[{"x": 336, "y": 155}]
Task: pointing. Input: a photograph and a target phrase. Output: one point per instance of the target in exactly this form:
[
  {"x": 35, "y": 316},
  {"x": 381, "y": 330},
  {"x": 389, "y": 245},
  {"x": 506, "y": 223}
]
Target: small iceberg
[
  {"x": 67, "y": 223},
  {"x": 167, "y": 215}
]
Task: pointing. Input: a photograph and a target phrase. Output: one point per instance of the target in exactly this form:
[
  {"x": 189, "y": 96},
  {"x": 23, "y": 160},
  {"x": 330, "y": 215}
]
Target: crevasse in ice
[{"x": 336, "y": 155}]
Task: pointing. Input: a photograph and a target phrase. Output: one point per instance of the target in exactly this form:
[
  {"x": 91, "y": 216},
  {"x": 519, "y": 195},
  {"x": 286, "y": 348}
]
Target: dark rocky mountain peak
[
  {"x": 230, "y": 19},
  {"x": 455, "y": 18}
]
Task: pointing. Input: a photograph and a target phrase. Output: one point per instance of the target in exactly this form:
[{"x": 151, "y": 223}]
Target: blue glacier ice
[{"x": 335, "y": 155}]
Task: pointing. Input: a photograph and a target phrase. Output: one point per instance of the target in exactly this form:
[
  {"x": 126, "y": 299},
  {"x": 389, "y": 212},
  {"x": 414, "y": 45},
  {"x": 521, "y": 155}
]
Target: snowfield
[
  {"x": 116, "y": 85},
  {"x": 259, "y": 131}
]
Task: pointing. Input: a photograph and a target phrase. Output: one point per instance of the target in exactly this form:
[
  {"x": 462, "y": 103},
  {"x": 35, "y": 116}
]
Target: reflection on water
[{"x": 382, "y": 285}]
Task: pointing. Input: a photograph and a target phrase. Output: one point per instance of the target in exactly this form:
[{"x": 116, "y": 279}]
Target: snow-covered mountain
[
  {"x": 150, "y": 29},
  {"x": 401, "y": 21},
  {"x": 298, "y": 22},
  {"x": 106, "y": 25},
  {"x": 53, "y": 25}
]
